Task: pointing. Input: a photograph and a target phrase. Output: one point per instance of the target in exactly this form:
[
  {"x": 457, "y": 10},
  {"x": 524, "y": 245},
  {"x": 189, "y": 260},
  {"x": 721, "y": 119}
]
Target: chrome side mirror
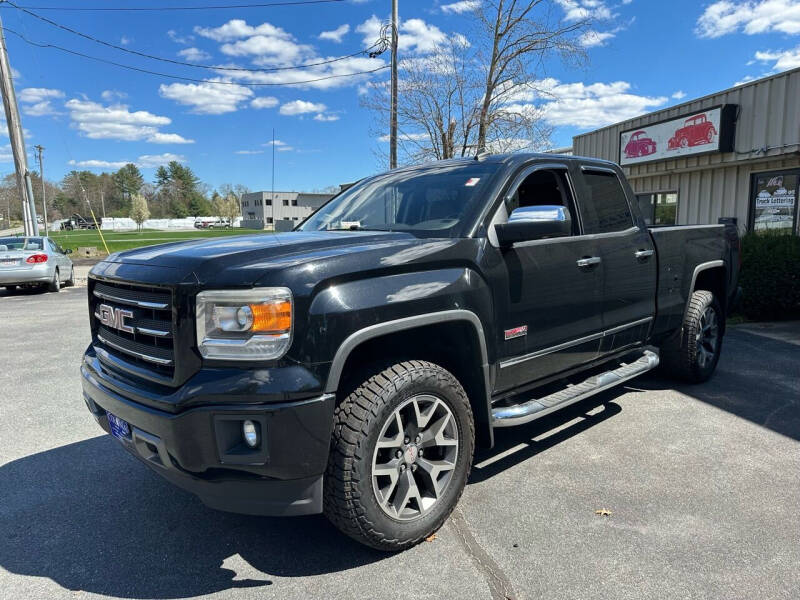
[{"x": 534, "y": 223}]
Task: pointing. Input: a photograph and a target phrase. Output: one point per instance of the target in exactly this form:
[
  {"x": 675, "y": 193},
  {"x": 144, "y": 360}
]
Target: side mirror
[
  {"x": 534, "y": 223},
  {"x": 68, "y": 251}
]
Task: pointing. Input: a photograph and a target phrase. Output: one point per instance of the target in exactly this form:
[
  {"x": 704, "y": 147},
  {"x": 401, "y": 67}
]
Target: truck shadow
[
  {"x": 90, "y": 517},
  {"x": 517, "y": 444}
]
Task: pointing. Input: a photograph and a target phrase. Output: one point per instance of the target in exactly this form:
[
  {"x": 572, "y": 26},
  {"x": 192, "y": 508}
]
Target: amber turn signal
[{"x": 272, "y": 317}]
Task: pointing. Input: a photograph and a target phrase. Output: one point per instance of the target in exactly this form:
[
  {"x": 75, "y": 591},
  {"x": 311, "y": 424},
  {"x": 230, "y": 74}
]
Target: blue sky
[{"x": 644, "y": 55}]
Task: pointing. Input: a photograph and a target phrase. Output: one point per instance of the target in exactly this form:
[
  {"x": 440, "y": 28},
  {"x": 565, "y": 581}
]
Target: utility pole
[
  {"x": 17, "y": 140},
  {"x": 393, "y": 115},
  {"x": 272, "y": 193},
  {"x": 40, "y": 149},
  {"x": 103, "y": 202}
]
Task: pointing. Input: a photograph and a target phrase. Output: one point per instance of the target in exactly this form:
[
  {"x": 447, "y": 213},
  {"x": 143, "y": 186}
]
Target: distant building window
[
  {"x": 660, "y": 208},
  {"x": 269, "y": 220},
  {"x": 269, "y": 202},
  {"x": 251, "y": 215},
  {"x": 294, "y": 218},
  {"x": 286, "y": 203},
  {"x": 294, "y": 202}
]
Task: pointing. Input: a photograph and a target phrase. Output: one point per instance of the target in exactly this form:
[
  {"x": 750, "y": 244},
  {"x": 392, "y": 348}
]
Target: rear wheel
[
  {"x": 71, "y": 281},
  {"x": 55, "y": 284},
  {"x": 694, "y": 354},
  {"x": 400, "y": 455}
]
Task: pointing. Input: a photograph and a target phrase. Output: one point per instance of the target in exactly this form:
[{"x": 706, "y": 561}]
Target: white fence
[{"x": 127, "y": 224}]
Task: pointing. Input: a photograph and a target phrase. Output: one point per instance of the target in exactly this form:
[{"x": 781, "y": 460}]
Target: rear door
[
  {"x": 548, "y": 304},
  {"x": 628, "y": 255}
]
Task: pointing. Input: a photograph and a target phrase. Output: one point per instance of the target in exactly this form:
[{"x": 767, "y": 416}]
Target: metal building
[
  {"x": 279, "y": 210},
  {"x": 735, "y": 153}
]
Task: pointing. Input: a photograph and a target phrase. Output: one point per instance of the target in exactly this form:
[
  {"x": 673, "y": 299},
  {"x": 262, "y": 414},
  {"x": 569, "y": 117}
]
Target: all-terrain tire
[
  {"x": 350, "y": 501},
  {"x": 692, "y": 355}
]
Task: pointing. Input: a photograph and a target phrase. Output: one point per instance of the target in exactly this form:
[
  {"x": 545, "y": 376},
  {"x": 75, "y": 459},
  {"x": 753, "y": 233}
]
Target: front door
[{"x": 549, "y": 305}]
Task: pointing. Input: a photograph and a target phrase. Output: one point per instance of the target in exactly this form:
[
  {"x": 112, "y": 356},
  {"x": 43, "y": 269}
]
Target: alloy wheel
[
  {"x": 707, "y": 337},
  {"x": 415, "y": 457}
]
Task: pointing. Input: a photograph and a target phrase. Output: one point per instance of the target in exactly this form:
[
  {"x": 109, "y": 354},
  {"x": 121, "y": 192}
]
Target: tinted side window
[{"x": 606, "y": 207}]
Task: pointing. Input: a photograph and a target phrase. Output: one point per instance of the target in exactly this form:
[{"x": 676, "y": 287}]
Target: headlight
[{"x": 244, "y": 324}]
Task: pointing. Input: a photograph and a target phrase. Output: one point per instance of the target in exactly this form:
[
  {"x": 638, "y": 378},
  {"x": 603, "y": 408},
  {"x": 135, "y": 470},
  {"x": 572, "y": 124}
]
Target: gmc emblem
[{"x": 114, "y": 317}]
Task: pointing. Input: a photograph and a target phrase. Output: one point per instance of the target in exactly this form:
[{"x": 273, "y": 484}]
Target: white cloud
[
  {"x": 407, "y": 137},
  {"x": 111, "y": 95},
  {"x": 98, "y": 164},
  {"x": 238, "y": 28},
  {"x": 194, "y": 54},
  {"x": 301, "y": 107},
  {"x": 587, "y": 106},
  {"x": 751, "y": 17},
  {"x": 335, "y": 35},
  {"x": 592, "y": 38},
  {"x": 782, "y": 60},
  {"x": 679, "y": 95},
  {"x": 264, "y": 102},
  {"x": 149, "y": 161},
  {"x": 124, "y": 40},
  {"x": 145, "y": 161},
  {"x": 249, "y": 152},
  {"x": 32, "y": 94},
  {"x": 208, "y": 98},
  {"x": 36, "y": 101},
  {"x": 280, "y": 146},
  {"x": 326, "y": 118},
  {"x": 116, "y": 122},
  {"x": 179, "y": 39},
  {"x": 415, "y": 34},
  {"x": 581, "y": 10},
  {"x": 460, "y": 7}
]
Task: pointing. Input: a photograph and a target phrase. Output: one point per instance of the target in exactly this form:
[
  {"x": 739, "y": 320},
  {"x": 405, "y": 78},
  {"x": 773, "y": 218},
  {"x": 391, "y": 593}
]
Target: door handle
[
  {"x": 588, "y": 261},
  {"x": 640, "y": 254}
]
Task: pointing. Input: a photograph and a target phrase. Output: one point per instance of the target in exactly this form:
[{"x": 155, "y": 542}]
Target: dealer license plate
[
  {"x": 8, "y": 262},
  {"x": 119, "y": 428}
]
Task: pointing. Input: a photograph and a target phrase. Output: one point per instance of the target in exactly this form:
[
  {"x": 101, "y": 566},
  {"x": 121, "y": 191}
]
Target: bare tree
[
  {"x": 477, "y": 94},
  {"x": 517, "y": 36}
]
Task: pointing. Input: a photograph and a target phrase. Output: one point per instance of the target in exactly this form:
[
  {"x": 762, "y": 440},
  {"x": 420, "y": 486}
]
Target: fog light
[{"x": 250, "y": 433}]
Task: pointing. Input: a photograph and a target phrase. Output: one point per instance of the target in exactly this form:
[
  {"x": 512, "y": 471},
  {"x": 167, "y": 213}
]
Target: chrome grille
[{"x": 145, "y": 337}]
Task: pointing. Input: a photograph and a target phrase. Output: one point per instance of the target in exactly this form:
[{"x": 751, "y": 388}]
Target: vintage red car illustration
[
  {"x": 639, "y": 145},
  {"x": 696, "y": 130}
]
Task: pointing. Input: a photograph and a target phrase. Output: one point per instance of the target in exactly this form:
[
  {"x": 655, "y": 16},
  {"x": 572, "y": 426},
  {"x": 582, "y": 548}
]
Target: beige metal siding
[{"x": 716, "y": 185}]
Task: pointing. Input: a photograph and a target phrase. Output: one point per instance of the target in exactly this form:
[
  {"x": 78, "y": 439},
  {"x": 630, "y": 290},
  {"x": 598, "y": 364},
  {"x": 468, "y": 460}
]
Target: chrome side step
[{"x": 518, "y": 414}]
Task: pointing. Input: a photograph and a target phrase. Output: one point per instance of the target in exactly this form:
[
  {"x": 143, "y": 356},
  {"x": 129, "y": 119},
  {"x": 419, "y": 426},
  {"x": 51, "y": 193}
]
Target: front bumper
[
  {"x": 200, "y": 449},
  {"x": 33, "y": 275}
]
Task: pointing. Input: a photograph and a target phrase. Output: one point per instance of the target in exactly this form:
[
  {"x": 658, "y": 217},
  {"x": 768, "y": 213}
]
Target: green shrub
[{"x": 770, "y": 276}]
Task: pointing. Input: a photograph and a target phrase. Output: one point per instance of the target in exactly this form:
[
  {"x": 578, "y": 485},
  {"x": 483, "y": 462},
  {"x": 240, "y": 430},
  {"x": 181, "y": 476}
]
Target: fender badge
[{"x": 516, "y": 332}]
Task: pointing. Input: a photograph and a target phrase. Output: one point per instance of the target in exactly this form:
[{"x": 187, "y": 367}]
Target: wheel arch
[
  {"x": 713, "y": 277},
  {"x": 454, "y": 339}
]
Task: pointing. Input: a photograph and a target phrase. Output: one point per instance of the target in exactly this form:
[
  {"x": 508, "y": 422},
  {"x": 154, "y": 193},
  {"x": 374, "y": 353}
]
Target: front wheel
[
  {"x": 694, "y": 353},
  {"x": 401, "y": 453}
]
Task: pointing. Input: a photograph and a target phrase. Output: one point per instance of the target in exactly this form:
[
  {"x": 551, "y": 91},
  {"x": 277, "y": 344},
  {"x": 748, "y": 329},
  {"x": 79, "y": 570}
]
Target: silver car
[{"x": 34, "y": 261}]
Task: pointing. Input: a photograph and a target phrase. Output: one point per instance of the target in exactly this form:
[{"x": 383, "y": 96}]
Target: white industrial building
[{"x": 279, "y": 210}]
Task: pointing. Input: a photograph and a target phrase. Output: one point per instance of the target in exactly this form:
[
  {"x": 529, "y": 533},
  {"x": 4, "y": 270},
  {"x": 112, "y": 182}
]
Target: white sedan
[{"x": 34, "y": 261}]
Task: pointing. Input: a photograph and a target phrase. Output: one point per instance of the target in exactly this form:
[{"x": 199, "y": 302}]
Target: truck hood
[{"x": 245, "y": 260}]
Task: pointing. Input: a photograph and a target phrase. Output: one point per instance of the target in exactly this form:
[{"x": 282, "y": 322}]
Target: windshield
[
  {"x": 434, "y": 201},
  {"x": 20, "y": 243}
]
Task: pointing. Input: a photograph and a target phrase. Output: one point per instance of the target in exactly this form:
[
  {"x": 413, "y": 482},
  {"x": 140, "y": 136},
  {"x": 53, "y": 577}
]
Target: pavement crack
[{"x": 499, "y": 585}]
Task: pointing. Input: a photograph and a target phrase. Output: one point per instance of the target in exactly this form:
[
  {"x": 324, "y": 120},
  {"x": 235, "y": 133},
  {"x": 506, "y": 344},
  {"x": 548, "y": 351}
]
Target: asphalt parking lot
[{"x": 703, "y": 486}]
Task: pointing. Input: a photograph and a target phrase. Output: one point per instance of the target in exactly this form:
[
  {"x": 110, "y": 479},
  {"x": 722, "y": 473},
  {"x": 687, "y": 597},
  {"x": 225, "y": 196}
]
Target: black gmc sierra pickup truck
[{"x": 351, "y": 366}]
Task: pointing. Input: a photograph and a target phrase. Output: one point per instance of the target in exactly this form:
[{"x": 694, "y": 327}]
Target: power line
[
  {"x": 170, "y": 8},
  {"x": 376, "y": 49},
  {"x": 178, "y": 77}
]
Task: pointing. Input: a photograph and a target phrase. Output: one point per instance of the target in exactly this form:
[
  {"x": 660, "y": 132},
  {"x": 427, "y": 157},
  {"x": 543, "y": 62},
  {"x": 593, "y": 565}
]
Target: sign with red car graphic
[{"x": 695, "y": 133}]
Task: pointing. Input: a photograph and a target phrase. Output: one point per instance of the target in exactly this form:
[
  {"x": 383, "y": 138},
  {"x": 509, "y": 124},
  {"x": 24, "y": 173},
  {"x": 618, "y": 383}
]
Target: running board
[{"x": 518, "y": 414}]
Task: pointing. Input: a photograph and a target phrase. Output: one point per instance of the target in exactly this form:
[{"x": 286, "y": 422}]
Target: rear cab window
[{"x": 604, "y": 206}]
